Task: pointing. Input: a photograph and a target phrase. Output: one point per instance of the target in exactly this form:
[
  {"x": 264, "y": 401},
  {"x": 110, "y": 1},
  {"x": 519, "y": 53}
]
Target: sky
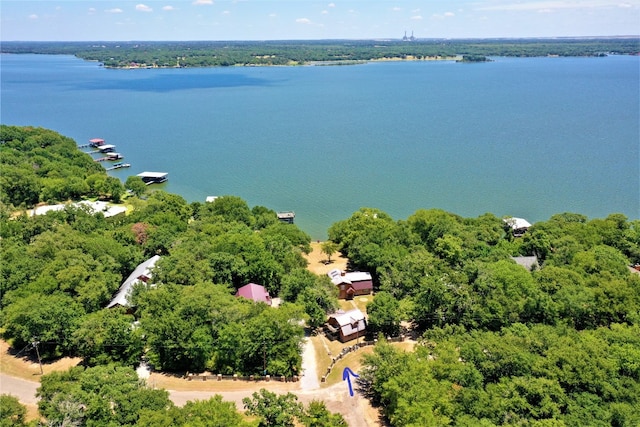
[{"x": 144, "y": 20}]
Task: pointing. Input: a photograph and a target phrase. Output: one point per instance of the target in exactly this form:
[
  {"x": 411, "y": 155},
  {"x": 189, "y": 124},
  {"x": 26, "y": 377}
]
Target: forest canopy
[{"x": 499, "y": 342}]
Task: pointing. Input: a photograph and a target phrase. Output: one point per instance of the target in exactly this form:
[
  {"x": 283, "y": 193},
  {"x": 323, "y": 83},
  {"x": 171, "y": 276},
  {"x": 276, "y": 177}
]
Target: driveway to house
[{"x": 309, "y": 378}]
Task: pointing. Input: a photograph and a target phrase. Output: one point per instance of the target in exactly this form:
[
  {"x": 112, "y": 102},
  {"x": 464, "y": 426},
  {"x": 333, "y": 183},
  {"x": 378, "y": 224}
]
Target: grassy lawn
[
  {"x": 352, "y": 360},
  {"x": 359, "y": 302}
]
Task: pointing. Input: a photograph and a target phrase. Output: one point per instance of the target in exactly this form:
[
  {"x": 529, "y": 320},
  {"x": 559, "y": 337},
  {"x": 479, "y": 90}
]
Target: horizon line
[{"x": 630, "y": 36}]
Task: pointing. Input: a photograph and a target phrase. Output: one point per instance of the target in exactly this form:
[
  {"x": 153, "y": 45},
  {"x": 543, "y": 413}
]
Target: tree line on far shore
[{"x": 300, "y": 52}]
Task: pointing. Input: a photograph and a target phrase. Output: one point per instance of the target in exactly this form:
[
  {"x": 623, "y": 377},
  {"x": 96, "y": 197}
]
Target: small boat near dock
[
  {"x": 110, "y": 157},
  {"x": 118, "y": 166}
]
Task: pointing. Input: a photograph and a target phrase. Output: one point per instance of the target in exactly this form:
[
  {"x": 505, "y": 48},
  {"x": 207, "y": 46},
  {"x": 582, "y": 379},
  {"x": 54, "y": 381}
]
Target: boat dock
[
  {"x": 118, "y": 166},
  {"x": 153, "y": 177},
  {"x": 110, "y": 157},
  {"x": 95, "y": 143},
  {"x": 287, "y": 217}
]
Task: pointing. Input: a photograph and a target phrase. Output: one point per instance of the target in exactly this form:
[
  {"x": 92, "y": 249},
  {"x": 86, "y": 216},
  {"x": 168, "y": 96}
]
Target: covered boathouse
[{"x": 153, "y": 177}]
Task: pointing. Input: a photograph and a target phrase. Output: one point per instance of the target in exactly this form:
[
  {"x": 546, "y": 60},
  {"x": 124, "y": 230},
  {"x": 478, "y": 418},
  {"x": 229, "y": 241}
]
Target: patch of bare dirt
[
  {"x": 24, "y": 364},
  {"x": 318, "y": 261}
]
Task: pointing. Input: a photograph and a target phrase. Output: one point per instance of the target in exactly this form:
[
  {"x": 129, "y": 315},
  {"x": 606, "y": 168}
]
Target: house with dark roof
[
  {"x": 142, "y": 274},
  {"x": 254, "y": 292},
  {"x": 351, "y": 283},
  {"x": 346, "y": 326}
]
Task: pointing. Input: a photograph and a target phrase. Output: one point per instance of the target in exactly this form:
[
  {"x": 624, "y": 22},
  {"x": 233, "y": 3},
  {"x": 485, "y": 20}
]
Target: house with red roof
[
  {"x": 258, "y": 293},
  {"x": 351, "y": 283}
]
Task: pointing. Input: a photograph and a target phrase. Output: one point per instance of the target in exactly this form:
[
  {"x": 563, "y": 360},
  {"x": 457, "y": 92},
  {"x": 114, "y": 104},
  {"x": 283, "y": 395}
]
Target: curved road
[{"x": 336, "y": 397}]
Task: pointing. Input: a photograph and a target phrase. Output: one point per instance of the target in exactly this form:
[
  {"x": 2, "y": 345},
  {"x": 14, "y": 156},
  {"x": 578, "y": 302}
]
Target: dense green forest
[
  {"x": 498, "y": 344},
  {"x": 226, "y": 53}
]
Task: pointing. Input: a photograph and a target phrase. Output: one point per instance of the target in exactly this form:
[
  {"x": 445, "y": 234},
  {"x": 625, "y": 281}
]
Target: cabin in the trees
[
  {"x": 351, "y": 283},
  {"x": 254, "y": 292},
  {"x": 346, "y": 326},
  {"x": 142, "y": 274},
  {"x": 518, "y": 226}
]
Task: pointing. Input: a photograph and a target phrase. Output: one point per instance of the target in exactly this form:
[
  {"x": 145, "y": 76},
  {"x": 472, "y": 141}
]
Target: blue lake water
[{"x": 523, "y": 137}]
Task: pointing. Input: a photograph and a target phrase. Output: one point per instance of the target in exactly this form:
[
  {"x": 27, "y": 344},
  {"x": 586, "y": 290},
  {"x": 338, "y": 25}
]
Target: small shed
[
  {"x": 254, "y": 292},
  {"x": 142, "y": 274},
  {"x": 351, "y": 283},
  {"x": 347, "y": 326},
  {"x": 153, "y": 177}
]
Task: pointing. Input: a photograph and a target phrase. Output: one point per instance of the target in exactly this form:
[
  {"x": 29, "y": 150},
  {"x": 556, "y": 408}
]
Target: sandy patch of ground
[
  {"x": 26, "y": 366},
  {"x": 318, "y": 261}
]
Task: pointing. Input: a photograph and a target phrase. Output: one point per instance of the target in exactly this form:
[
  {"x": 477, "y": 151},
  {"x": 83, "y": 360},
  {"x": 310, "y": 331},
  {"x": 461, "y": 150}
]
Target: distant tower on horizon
[{"x": 408, "y": 39}]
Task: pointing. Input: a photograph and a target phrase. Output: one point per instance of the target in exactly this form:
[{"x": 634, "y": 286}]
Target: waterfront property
[
  {"x": 94, "y": 207},
  {"x": 142, "y": 274},
  {"x": 518, "y": 226},
  {"x": 351, "y": 283},
  {"x": 254, "y": 292},
  {"x": 287, "y": 217},
  {"x": 153, "y": 177},
  {"x": 346, "y": 326}
]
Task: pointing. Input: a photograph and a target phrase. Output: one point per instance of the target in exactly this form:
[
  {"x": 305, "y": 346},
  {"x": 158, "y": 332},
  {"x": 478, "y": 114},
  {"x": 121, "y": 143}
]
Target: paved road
[
  {"x": 335, "y": 397},
  {"x": 24, "y": 390}
]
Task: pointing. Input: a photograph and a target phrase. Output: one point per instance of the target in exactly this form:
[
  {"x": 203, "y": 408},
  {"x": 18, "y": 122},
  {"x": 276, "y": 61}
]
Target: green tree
[
  {"x": 49, "y": 319},
  {"x": 384, "y": 315},
  {"x": 99, "y": 396},
  {"x": 12, "y": 412},
  {"x": 317, "y": 415},
  {"x": 108, "y": 336},
  {"x": 274, "y": 410},
  {"x": 329, "y": 248},
  {"x": 136, "y": 185}
]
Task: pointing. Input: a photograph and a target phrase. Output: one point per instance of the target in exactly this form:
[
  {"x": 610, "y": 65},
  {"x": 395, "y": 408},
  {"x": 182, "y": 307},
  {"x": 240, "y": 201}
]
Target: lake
[{"x": 527, "y": 137}]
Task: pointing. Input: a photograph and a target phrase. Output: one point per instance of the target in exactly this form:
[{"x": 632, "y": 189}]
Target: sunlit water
[{"x": 523, "y": 137}]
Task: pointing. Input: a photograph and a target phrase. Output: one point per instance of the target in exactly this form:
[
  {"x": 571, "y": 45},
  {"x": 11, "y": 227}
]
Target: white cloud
[
  {"x": 325, "y": 12},
  {"x": 303, "y": 21},
  {"x": 396, "y": 9},
  {"x": 168, "y": 8},
  {"x": 416, "y": 18},
  {"x": 416, "y": 10},
  {"x": 331, "y": 5},
  {"x": 202, "y": 2},
  {"x": 114, "y": 10},
  {"x": 143, "y": 8},
  {"x": 549, "y": 5},
  {"x": 33, "y": 16},
  {"x": 226, "y": 12},
  {"x": 272, "y": 15},
  {"x": 625, "y": 5},
  {"x": 91, "y": 11},
  {"x": 449, "y": 14}
]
